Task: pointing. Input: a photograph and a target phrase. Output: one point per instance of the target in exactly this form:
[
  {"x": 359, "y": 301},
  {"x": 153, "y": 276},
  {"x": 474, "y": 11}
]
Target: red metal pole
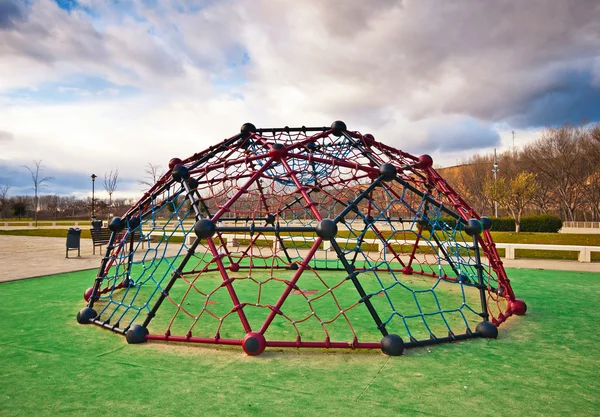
[
  {"x": 226, "y": 279},
  {"x": 290, "y": 286},
  {"x": 241, "y": 191}
]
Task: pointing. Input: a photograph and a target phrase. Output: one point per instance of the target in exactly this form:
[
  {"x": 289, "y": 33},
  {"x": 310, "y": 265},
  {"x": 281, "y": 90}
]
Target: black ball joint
[
  {"x": 392, "y": 345},
  {"x": 204, "y": 228},
  {"x": 387, "y": 172},
  {"x": 326, "y": 229},
  {"x": 338, "y": 128},
  {"x": 180, "y": 173}
]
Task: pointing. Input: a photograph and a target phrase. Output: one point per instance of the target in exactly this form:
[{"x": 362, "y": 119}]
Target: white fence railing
[
  {"x": 585, "y": 252},
  {"x": 582, "y": 225},
  {"x": 41, "y": 224}
]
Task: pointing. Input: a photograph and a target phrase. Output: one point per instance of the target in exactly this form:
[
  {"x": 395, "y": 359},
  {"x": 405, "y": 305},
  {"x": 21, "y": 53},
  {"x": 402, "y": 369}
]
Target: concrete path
[
  {"x": 32, "y": 256},
  {"x": 26, "y": 257}
]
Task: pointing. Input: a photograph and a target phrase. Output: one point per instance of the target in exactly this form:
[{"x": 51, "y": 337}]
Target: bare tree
[
  {"x": 38, "y": 184},
  {"x": 4, "y": 191},
  {"x": 591, "y": 185},
  {"x": 111, "y": 181},
  {"x": 71, "y": 205},
  {"x": 556, "y": 158},
  {"x": 3, "y": 203},
  {"x": 469, "y": 181},
  {"x": 595, "y": 137},
  {"x": 52, "y": 205},
  {"x": 544, "y": 199},
  {"x": 151, "y": 175}
]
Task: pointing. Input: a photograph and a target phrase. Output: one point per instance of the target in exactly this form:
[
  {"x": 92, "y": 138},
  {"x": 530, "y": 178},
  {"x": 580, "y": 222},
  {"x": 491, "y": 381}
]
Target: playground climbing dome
[{"x": 310, "y": 237}]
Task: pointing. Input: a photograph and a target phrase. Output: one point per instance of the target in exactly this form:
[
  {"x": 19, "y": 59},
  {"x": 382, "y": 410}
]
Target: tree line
[
  {"x": 558, "y": 173},
  {"x": 52, "y": 206},
  {"x": 55, "y": 207}
]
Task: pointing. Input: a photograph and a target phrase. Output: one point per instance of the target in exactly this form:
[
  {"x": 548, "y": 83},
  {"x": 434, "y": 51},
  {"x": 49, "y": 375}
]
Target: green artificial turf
[
  {"x": 545, "y": 363},
  {"x": 325, "y": 304}
]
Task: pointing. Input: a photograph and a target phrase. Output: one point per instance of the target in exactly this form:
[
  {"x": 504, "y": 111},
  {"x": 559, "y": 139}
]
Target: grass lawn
[
  {"x": 548, "y": 238},
  {"x": 26, "y": 221},
  {"x": 499, "y": 237},
  {"x": 85, "y": 233},
  {"x": 544, "y": 363}
]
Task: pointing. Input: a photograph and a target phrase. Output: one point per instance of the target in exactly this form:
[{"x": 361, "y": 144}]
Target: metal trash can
[
  {"x": 74, "y": 240},
  {"x": 97, "y": 224}
]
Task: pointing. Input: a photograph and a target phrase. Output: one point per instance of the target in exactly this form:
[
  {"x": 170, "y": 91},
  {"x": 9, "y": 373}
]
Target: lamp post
[
  {"x": 495, "y": 171},
  {"x": 513, "y": 132},
  {"x": 94, "y": 176}
]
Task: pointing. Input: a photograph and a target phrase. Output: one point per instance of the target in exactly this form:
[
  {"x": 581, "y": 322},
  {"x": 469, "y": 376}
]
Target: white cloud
[
  {"x": 399, "y": 70},
  {"x": 6, "y": 136}
]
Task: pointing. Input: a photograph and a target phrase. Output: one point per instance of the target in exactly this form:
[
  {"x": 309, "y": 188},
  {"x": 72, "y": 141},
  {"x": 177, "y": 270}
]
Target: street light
[
  {"x": 495, "y": 171},
  {"x": 94, "y": 176}
]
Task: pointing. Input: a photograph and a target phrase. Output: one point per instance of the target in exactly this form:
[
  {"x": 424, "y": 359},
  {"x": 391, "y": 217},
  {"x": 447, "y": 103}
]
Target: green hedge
[
  {"x": 541, "y": 223},
  {"x": 499, "y": 224},
  {"x": 502, "y": 224}
]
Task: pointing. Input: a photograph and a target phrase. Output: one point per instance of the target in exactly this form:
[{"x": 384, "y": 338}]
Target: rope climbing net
[{"x": 301, "y": 237}]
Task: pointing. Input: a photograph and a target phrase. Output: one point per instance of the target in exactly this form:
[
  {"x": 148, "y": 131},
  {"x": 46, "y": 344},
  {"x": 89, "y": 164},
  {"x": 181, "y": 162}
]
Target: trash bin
[
  {"x": 97, "y": 224},
  {"x": 74, "y": 240}
]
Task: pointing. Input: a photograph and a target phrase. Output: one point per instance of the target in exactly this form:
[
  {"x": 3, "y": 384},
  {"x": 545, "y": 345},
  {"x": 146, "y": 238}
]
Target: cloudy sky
[{"x": 88, "y": 86}]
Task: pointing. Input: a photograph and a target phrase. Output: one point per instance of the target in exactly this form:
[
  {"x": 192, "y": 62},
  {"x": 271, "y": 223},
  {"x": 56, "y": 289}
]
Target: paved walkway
[
  {"x": 32, "y": 256},
  {"x": 26, "y": 257}
]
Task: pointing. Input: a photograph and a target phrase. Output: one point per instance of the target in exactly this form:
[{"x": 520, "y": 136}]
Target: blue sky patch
[
  {"x": 72, "y": 89},
  {"x": 67, "y": 5}
]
